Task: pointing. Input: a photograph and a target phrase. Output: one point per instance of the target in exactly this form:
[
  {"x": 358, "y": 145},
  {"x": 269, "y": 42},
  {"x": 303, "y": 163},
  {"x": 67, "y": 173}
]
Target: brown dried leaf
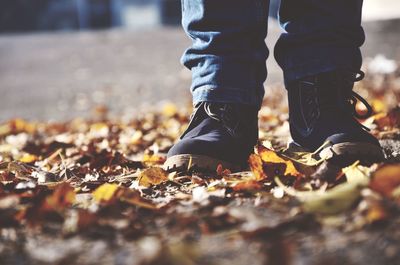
[
  {"x": 386, "y": 179},
  {"x": 133, "y": 197},
  {"x": 62, "y": 197},
  {"x": 152, "y": 176}
]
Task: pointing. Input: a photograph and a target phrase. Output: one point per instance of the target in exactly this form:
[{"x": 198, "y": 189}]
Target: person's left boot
[{"x": 322, "y": 114}]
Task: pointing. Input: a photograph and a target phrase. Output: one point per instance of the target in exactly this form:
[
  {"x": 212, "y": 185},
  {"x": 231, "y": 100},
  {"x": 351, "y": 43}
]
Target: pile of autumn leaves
[{"x": 47, "y": 169}]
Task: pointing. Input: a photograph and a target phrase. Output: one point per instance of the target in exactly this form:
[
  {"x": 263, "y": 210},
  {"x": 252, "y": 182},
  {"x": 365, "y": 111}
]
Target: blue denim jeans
[{"x": 228, "y": 52}]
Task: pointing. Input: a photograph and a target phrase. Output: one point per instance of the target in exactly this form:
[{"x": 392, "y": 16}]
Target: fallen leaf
[
  {"x": 170, "y": 109},
  {"x": 247, "y": 185},
  {"x": 277, "y": 164},
  {"x": 62, "y": 197},
  {"x": 376, "y": 212},
  {"x": 152, "y": 176},
  {"x": 153, "y": 159},
  {"x": 28, "y": 158},
  {"x": 133, "y": 197},
  {"x": 256, "y": 166},
  {"x": 333, "y": 201},
  {"x": 386, "y": 179},
  {"x": 105, "y": 193}
]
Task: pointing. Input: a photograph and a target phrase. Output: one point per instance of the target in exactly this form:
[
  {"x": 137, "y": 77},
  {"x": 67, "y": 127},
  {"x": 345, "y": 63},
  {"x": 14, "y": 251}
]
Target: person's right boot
[
  {"x": 218, "y": 134},
  {"x": 322, "y": 114}
]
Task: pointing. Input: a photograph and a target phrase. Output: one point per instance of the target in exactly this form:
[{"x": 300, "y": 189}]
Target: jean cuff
[
  {"x": 211, "y": 93},
  {"x": 319, "y": 61}
]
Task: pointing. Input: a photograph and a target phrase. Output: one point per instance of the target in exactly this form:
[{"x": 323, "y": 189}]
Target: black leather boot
[
  {"x": 217, "y": 134},
  {"x": 322, "y": 111}
]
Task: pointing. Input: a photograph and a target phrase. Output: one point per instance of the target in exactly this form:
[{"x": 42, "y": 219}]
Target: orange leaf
[
  {"x": 256, "y": 167},
  {"x": 276, "y": 164},
  {"x": 386, "y": 179},
  {"x": 62, "y": 197},
  {"x": 376, "y": 212},
  {"x": 247, "y": 185},
  {"x": 153, "y": 176},
  {"x": 221, "y": 171}
]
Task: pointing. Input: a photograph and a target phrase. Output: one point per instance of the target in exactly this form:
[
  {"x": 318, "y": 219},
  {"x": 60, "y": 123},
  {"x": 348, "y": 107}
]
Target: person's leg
[
  {"x": 320, "y": 36},
  {"x": 321, "y": 59},
  {"x": 228, "y": 52},
  {"x": 227, "y": 59}
]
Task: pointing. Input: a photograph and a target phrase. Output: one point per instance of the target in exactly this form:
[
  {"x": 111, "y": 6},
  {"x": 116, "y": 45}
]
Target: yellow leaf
[
  {"x": 105, "y": 193},
  {"x": 302, "y": 157},
  {"x": 170, "y": 109},
  {"x": 99, "y": 129},
  {"x": 28, "y": 158},
  {"x": 277, "y": 165},
  {"x": 153, "y": 159},
  {"x": 153, "y": 176},
  {"x": 21, "y": 125}
]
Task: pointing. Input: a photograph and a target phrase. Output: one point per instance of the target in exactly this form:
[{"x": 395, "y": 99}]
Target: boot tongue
[
  {"x": 238, "y": 119},
  {"x": 226, "y": 114}
]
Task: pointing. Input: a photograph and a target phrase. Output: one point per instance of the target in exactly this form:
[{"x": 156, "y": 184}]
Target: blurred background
[{"x": 60, "y": 58}]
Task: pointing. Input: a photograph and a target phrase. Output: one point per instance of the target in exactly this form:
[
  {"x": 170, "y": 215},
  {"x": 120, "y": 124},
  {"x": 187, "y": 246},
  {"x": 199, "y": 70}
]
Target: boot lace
[
  {"x": 352, "y": 98},
  {"x": 317, "y": 101},
  {"x": 225, "y": 114}
]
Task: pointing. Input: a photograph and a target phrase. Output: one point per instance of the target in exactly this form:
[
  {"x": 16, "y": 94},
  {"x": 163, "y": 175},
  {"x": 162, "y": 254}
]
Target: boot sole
[
  {"x": 365, "y": 152},
  {"x": 188, "y": 162},
  {"x": 341, "y": 155}
]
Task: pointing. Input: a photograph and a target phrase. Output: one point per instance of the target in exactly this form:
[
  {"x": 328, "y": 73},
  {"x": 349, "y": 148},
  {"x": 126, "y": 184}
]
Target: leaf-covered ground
[{"x": 93, "y": 192}]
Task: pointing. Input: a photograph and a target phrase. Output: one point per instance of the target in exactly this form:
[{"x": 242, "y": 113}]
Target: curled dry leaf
[{"x": 256, "y": 166}]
